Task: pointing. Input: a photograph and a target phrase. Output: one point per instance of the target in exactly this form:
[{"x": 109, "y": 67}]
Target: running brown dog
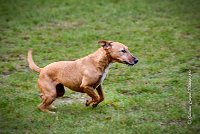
[{"x": 82, "y": 75}]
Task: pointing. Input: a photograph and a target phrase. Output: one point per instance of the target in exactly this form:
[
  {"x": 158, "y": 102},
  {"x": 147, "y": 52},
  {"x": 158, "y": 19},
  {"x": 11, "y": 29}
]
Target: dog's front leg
[
  {"x": 100, "y": 93},
  {"x": 94, "y": 98}
]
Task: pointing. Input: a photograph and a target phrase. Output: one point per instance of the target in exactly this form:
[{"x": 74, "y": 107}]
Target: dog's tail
[{"x": 31, "y": 63}]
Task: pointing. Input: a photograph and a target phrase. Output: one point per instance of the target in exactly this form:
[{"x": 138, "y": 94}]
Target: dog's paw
[
  {"x": 51, "y": 112},
  {"x": 52, "y": 107},
  {"x": 87, "y": 103}
]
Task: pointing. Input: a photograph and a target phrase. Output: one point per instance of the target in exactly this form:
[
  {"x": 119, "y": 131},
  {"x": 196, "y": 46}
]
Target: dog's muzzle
[{"x": 135, "y": 61}]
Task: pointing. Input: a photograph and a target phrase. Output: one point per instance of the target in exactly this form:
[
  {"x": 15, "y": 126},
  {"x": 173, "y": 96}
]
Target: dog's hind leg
[
  {"x": 48, "y": 95},
  {"x": 60, "y": 91}
]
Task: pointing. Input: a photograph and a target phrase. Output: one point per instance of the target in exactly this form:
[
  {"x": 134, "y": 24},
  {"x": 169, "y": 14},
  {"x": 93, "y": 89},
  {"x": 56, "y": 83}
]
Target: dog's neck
[{"x": 102, "y": 59}]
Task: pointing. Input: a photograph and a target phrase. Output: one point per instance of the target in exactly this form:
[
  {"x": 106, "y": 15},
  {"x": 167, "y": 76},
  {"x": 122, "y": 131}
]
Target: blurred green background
[{"x": 150, "y": 97}]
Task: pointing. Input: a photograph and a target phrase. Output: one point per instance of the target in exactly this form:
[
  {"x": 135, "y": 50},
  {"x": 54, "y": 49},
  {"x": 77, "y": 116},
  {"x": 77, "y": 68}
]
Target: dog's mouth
[{"x": 128, "y": 63}]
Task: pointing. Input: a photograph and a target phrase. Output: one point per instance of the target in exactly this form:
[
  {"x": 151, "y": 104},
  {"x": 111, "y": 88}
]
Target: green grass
[{"x": 148, "y": 98}]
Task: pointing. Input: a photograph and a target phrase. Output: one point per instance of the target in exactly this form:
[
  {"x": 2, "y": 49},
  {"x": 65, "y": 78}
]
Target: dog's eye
[{"x": 124, "y": 51}]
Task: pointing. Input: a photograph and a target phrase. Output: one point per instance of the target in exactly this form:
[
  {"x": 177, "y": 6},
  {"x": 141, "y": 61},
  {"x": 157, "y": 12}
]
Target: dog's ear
[{"x": 105, "y": 44}]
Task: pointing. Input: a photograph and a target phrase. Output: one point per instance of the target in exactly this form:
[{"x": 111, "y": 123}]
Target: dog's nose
[{"x": 136, "y": 60}]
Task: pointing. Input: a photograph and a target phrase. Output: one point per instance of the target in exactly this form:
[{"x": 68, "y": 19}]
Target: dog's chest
[{"x": 104, "y": 74}]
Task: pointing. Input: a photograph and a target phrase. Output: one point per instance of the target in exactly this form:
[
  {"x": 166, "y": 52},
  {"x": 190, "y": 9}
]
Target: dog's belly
[
  {"x": 66, "y": 73},
  {"x": 72, "y": 83}
]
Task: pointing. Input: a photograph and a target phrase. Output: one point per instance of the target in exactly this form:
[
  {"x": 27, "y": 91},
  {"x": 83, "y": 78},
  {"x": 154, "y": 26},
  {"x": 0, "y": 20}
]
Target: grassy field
[{"x": 150, "y": 97}]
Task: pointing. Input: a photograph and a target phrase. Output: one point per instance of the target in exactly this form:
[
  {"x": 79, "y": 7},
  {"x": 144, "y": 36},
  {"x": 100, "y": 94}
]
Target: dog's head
[{"x": 118, "y": 52}]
